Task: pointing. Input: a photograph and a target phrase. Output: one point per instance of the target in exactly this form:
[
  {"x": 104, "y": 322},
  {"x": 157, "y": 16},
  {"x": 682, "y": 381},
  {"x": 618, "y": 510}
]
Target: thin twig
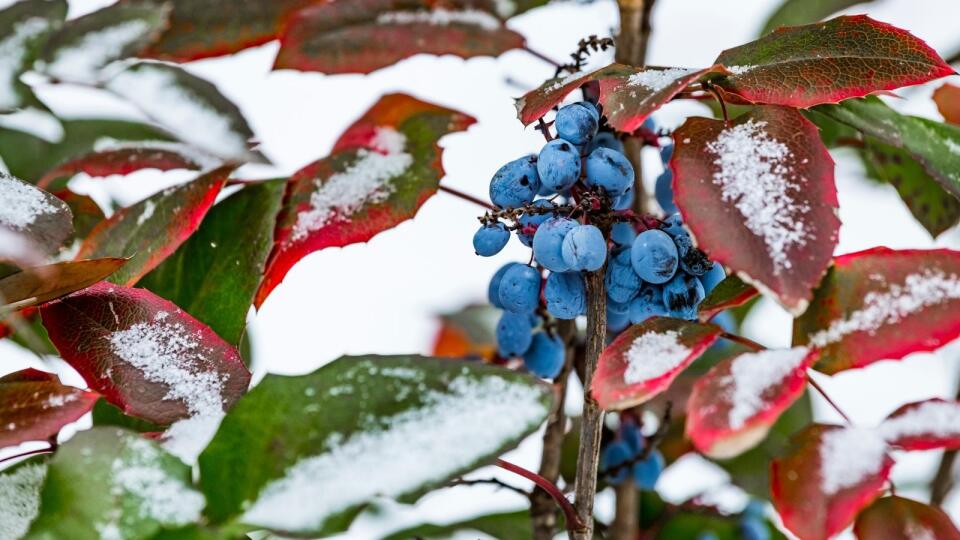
[
  {"x": 816, "y": 386},
  {"x": 490, "y": 481},
  {"x": 943, "y": 480},
  {"x": 541, "y": 56},
  {"x": 467, "y": 197},
  {"x": 573, "y": 522},
  {"x": 723, "y": 104},
  {"x": 746, "y": 342}
]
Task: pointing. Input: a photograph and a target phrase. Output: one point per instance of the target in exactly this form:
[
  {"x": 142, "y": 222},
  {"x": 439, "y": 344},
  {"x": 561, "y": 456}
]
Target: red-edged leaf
[
  {"x": 882, "y": 304},
  {"x": 381, "y": 171},
  {"x": 538, "y": 102},
  {"x": 152, "y": 229},
  {"x": 729, "y": 293},
  {"x": 947, "y": 98},
  {"x": 34, "y": 406},
  {"x": 87, "y": 214},
  {"x": 924, "y": 425},
  {"x": 630, "y": 94},
  {"x": 144, "y": 354},
  {"x": 760, "y": 198},
  {"x": 361, "y": 36},
  {"x": 33, "y": 286},
  {"x": 845, "y": 57},
  {"x": 127, "y": 158},
  {"x": 34, "y": 215},
  {"x": 896, "y": 518},
  {"x": 830, "y": 474},
  {"x": 733, "y": 406},
  {"x": 646, "y": 358}
]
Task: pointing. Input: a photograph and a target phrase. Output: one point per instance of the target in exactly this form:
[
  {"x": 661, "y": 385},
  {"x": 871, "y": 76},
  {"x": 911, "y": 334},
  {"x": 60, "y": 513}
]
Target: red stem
[
  {"x": 467, "y": 197},
  {"x": 573, "y": 522},
  {"x": 816, "y": 386},
  {"x": 743, "y": 341}
]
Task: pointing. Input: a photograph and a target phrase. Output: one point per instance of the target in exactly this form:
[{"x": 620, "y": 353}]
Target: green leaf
[
  {"x": 20, "y": 495},
  {"x": 933, "y": 207},
  {"x": 304, "y": 454},
  {"x": 112, "y": 483},
  {"x": 503, "y": 525},
  {"x": 105, "y": 414},
  {"x": 935, "y": 145},
  {"x": 24, "y": 26},
  {"x": 214, "y": 275},
  {"x": 795, "y": 12}
]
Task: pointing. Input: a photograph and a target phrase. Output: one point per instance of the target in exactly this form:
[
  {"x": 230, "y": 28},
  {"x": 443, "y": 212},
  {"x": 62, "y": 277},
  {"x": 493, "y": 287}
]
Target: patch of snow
[
  {"x": 653, "y": 355},
  {"x": 20, "y": 499},
  {"x": 918, "y": 291},
  {"x": 505, "y": 8},
  {"x": 416, "y": 447},
  {"x": 658, "y": 79},
  {"x": 441, "y": 17},
  {"x": 187, "y": 438},
  {"x": 12, "y": 54},
  {"x": 753, "y": 174},
  {"x": 32, "y": 121},
  {"x": 196, "y": 156},
  {"x": 739, "y": 70},
  {"x": 22, "y": 203},
  {"x": 149, "y": 207},
  {"x": 59, "y": 400},
  {"x": 934, "y": 418},
  {"x": 566, "y": 79},
  {"x": 81, "y": 61},
  {"x": 952, "y": 145},
  {"x": 751, "y": 374},
  {"x": 848, "y": 456}
]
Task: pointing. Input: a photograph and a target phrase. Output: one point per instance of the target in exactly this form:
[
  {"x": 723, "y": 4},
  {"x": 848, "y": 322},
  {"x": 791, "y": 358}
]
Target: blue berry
[
  {"x": 663, "y": 191},
  {"x": 666, "y": 152},
  {"x": 584, "y": 248},
  {"x": 623, "y": 234},
  {"x": 647, "y": 472},
  {"x": 533, "y": 221},
  {"x": 559, "y": 165},
  {"x": 755, "y": 508},
  {"x": 520, "y": 289},
  {"x": 695, "y": 263},
  {"x": 577, "y": 122},
  {"x": 654, "y": 256},
  {"x": 630, "y": 433},
  {"x": 514, "y": 334},
  {"x": 648, "y": 303},
  {"x": 490, "y": 239},
  {"x": 752, "y": 528},
  {"x": 615, "y": 454},
  {"x": 516, "y": 183},
  {"x": 673, "y": 225},
  {"x": 545, "y": 356},
  {"x": 592, "y": 107},
  {"x": 609, "y": 170},
  {"x": 625, "y": 201},
  {"x": 620, "y": 308},
  {"x": 548, "y": 242},
  {"x": 684, "y": 245},
  {"x": 493, "y": 290},
  {"x": 566, "y": 295},
  {"x": 621, "y": 281},
  {"x": 616, "y": 322},
  {"x": 605, "y": 139},
  {"x": 712, "y": 278},
  {"x": 682, "y": 295}
]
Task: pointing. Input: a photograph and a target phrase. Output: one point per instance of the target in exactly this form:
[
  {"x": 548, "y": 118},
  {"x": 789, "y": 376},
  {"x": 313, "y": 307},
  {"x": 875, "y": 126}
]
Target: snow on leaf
[
  {"x": 897, "y": 518},
  {"x": 923, "y": 425},
  {"x": 34, "y": 406},
  {"x": 33, "y": 214},
  {"x": 23, "y": 28},
  {"x": 20, "y": 498},
  {"x": 538, "y": 102}
]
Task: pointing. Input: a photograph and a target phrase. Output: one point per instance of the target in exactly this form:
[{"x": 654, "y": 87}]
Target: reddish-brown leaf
[
  {"x": 392, "y": 157},
  {"x": 924, "y": 425},
  {"x": 127, "y": 159},
  {"x": 34, "y": 406},
  {"x": 733, "y": 406},
  {"x": 36, "y": 285},
  {"x": 144, "y": 354},
  {"x": 830, "y": 474},
  {"x": 34, "y": 216},
  {"x": 536, "y": 103},
  {"x": 760, "y": 198},
  {"x": 845, "y": 57},
  {"x": 896, "y": 518},
  {"x": 361, "y": 36},
  {"x": 729, "y": 293},
  {"x": 630, "y": 94},
  {"x": 151, "y": 230},
  {"x": 947, "y": 98},
  {"x": 646, "y": 358},
  {"x": 882, "y": 304}
]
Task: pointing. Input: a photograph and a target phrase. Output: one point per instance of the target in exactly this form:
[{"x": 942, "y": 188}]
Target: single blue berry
[
  {"x": 592, "y": 107},
  {"x": 605, "y": 139},
  {"x": 648, "y": 303},
  {"x": 493, "y": 290},
  {"x": 647, "y": 472},
  {"x": 623, "y": 234},
  {"x": 663, "y": 191},
  {"x": 516, "y": 183},
  {"x": 621, "y": 281},
  {"x": 654, "y": 256},
  {"x": 630, "y": 433},
  {"x": 577, "y": 122},
  {"x": 684, "y": 244},
  {"x": 548, "y": 243},
  {"x": 545, "y": 356},
  {"x": 616, "y": 322},
  {"x": 695, "y": 262},
  {"x": 584, "y": 248},
  {"x": 752, "y": 528},
  {"x": 620, "y": 308},
  {"x": 514, "y": 334},
  {"x": 666, "y": 152},
  {"x": 532, "y": 221},
  {"x": 682, "y": 295},
  {"x": 559, "y": 165},
  {"x": 566, "y": 295},
  {"x": 520, "y": 289},
  {"x": 625, "y": 201},
  {"x": 673, "y": 225},
  {"x": 755, "y": 508},
  {"x": 612, "y": 461},
  {"x": 712, "y": 278},
  {"x": 490, "y": 239},
  {"x": 609, "y": 170}
]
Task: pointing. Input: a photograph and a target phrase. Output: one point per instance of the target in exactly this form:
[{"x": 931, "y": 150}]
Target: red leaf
[
  {"x": 536, "y": 103},
  {"x": 896, "y": 518},
  {"x": 830, "y": 474},
  {"x": 729, "y": 293},
  {"x": 646, "y": 358},
  {"x": 144, "y": 354},
  {"x": 882, "y": 304},
  {"x": 31, "y": 220},
  {"x": 845, "y": 57},
  {"x": 149, "y": 231},
  {"x": 361, "y": 36},
  {"x": 34, "y": 406},
  {"x": 127, "y": 159},
  {"x": 924, "y": 425},
  {"x": 759, "y": 196},
  {"x": 382, "y": 170},
  {"x": 947, "y": 98},
  {"x": 630, "y": 94},
  {"x": 733, "y": 405},
  {"x": 37, "y": 285}
]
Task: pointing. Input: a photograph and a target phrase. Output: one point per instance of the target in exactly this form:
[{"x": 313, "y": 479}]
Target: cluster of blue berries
[{"x": 625, "y": 456}]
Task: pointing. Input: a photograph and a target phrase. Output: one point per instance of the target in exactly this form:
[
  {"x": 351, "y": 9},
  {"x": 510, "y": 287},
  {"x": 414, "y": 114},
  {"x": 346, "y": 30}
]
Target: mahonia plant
[{"x": 147, "y": 303}]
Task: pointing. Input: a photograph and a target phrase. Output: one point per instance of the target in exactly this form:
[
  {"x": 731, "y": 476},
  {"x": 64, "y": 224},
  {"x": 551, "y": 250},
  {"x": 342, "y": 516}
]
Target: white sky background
[{"x": 382, "y": 297}]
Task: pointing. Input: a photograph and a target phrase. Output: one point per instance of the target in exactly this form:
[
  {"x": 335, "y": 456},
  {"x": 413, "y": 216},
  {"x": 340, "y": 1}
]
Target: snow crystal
[
  {"x": 936, "y": 418},
  {"x": 739, "y": 70},
  {"x": 653, "y": 355},
  {"x": 81, "y": 61},
  {"x": 157, "y": 93},
  {"x": 848, "y": 456},
  {"x": 441, "y": 17},
  {"x": 416, "y": 447},
  {"x": 753, "y": 174},
  {"x": 59, "y": 400},
  {"x": 365, "y": 181},
  {"x": 918, "y": 291},
  {"x": 22, "y": 203},
  {"x": 12, "y": 53},
  {"x": 20, "y": 499},
  {"x": 658, "y": 79},
  {"x": 194, "y": 155},
  {"x": 751, "y": 374}
]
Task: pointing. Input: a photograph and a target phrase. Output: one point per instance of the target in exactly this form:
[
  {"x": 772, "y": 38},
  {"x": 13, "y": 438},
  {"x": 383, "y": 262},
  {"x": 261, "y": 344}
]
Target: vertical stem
[
  {"x": 585, "y": 486},
  {"x": 943, "y": 481},
  {"x": 626, "y": 519}
]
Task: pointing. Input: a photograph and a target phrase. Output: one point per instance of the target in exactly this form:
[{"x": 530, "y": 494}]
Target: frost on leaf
[
  {"x": 20, "y": 498},
  {"x": 32, "y": 214},
  {"x": 538, "y": 102},
  {"x": 923, "y": 425},
  {"x": 759, "y": 196},
  {"x": 23, "y": 28}
]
